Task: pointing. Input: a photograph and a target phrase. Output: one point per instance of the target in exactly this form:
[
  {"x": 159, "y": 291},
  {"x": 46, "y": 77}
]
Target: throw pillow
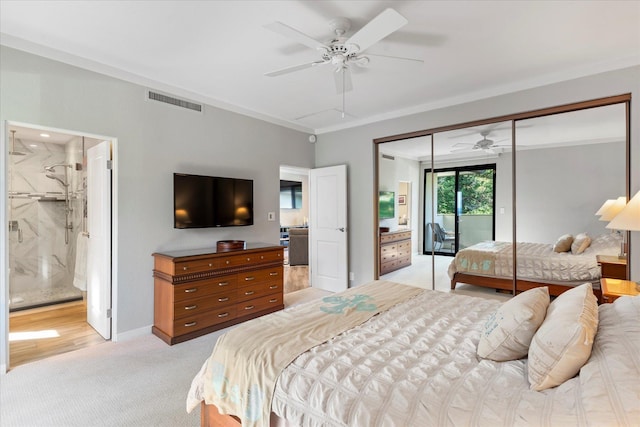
[
  {"x": 563, "y": 343},
  {"x": 563, "y": 244},
  {"x": 508, "y": 332},
  {"x": 580, "y": 243}
]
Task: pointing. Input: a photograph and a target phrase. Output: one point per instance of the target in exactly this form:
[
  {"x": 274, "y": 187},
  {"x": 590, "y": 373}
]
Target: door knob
[{"x": 340, "y": 229}]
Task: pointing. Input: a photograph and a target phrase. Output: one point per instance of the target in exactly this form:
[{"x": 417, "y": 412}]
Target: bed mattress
[
  {"x": 536, "y": 261},
  {"x": 416, "y": 365}
]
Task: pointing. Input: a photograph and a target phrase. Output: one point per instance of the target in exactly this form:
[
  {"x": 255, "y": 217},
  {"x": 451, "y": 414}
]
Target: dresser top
[{"x": 250, "y": 246}]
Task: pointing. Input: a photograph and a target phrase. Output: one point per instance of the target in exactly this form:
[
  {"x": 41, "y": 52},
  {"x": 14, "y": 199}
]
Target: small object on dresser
[{"x": 230, "y": 245}]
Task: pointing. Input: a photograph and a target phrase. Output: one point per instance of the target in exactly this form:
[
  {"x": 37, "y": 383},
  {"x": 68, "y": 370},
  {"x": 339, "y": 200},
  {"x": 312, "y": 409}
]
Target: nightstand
[
  {"x": 614, "y": 288},
  {"x": 612, "y": 266}
]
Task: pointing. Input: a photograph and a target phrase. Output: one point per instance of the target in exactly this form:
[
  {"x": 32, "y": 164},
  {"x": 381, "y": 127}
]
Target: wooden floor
[{"x": 43, "y": 332}]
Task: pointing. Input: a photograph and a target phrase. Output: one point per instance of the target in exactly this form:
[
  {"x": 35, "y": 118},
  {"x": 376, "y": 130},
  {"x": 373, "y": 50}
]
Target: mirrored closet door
[{"x": 529, "y": 178}]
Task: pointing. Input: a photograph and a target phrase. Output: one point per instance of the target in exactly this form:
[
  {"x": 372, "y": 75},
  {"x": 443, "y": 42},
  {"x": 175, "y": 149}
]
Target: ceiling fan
[
  {"x": 485, "y": 144},
  {"x": 342, "y": 52}
]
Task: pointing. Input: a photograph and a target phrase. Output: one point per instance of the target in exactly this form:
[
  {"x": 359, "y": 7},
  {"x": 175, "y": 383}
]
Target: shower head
[{"x": 57, "y": 179}]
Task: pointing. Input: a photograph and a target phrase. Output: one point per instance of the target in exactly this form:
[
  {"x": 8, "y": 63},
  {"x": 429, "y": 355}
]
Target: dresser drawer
[
  {"x": 203, "y": 320},
  {"x": 196, "y": 266},
  {"x": 196, "y": 306},
  {"x": 404, "y": 248},
  {"x": 251, "y": 259},
  {"x": 263, "y": 275},
  {"x": 204, "y": 287},
  {"x": 258, "y": 290},
  {"x": 259, "y": 304}
]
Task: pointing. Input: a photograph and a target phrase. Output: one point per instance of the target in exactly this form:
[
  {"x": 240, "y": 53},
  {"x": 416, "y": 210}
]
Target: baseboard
[{"x": 132, "y": 334}]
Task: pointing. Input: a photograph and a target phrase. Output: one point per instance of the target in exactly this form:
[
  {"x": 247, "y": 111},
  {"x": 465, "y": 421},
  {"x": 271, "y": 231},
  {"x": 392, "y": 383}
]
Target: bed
[
  {"x": 490, "y": 264},
  {"x": 416, "y": 364}
]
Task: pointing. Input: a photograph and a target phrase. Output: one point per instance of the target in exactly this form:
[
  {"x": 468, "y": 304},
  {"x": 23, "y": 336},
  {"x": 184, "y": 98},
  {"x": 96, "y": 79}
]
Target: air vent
[
  {"x": 388, "y": 157},
  {"x": 154, "y": 96}
]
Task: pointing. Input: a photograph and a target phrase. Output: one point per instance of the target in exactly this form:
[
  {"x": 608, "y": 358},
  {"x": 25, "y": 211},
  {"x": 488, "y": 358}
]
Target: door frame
[
  {"x": 4, "y": 235},
  {"x": 457, "y": 170}
]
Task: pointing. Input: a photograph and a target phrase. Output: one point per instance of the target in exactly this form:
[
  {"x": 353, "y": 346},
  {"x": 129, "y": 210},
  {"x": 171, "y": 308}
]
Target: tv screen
[
  {"x": 387, "y": 204},
  {"x": 209, "y": 201}
]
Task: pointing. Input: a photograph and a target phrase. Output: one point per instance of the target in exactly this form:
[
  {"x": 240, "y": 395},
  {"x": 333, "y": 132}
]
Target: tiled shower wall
[{"x": 41, "y": 263}]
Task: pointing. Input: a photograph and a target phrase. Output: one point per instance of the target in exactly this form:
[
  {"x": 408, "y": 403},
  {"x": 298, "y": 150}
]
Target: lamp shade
[
  {"x": 629, "y": 217},
  {"x": 605, "y": 206},
  {"x": 614, "y": 209}
]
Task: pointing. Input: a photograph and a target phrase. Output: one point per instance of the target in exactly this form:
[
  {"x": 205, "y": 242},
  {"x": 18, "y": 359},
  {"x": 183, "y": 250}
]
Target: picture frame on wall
[{"x": 402, "y": 199}]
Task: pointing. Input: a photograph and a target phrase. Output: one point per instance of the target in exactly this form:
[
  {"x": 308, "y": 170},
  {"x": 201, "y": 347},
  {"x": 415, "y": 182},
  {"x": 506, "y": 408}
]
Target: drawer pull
[
  {"x": 191, "y": 290},
  {"x": 249, "y": 307},
  {"x": 184, "y": 268},
  {"x": 228, "y": 262},
  {"x": 275, "y": 273},
  {"x": 223, "y": 283},
  {"x": 223, "y": 299},
  {"x": 273, "y": 300},
  {"x": 223, "y": 314},
  {"x": 261, "y": 256},
  {"x": 210, "y": 265},
  {"x": 273, "y": 287},
  {"x": 187, "y": 325},
  {"x": 250, "y": 278},
  {"x": 190, "y": 307},
  {"x": 248, "y": 259},
  {"x": 249, "y": 293}
]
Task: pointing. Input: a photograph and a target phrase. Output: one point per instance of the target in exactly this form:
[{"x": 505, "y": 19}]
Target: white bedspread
[
  {"x": 416, "y": 365},
  {"x": 535, "y": 260}
]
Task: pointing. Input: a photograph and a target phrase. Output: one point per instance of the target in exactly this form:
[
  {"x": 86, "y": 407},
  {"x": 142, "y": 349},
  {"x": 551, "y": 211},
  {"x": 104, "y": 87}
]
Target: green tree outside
[{"x": 477, "y": 188}]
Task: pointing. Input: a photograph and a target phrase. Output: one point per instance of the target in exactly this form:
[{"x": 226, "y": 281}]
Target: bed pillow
[
  {"x": 509, "y": 330},
  {"x": 563, "y": 244},
  {"x": 580, "y": 243},
  {"x": 562, "y": 344}
]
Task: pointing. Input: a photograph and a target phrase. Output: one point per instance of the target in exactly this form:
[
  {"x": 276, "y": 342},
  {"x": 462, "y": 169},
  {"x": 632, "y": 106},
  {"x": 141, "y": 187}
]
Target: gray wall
[
  {"x": 153, "y": 141},
  {"x": 354, "y": 147}
]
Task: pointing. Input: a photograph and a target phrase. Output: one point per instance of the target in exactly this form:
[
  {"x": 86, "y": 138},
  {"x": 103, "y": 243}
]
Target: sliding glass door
[{"x": 464, "y": 203}]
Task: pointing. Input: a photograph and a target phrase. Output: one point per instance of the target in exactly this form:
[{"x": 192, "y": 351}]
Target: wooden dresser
[
  {"x": 200, "y": 291},
  {"x": 395, "y": 250}
]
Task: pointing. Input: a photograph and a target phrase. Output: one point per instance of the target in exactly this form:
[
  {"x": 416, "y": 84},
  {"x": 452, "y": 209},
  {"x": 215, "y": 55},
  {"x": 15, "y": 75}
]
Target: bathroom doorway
[{"x": 48, "y": 241}]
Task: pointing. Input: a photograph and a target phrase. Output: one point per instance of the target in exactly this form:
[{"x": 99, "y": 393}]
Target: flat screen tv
[
  {"x": 387, "y": 204},
  {"x": 209, "y": 201}
]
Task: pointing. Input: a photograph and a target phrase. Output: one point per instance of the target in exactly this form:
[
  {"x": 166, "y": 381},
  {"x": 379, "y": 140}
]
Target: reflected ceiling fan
[
  {"x": 485, "y": 144},
  {"x": 342, "y": 52}
]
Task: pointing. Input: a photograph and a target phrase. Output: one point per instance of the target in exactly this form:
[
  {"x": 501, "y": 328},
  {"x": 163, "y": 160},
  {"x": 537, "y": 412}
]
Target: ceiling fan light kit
[{"x": 342, "y": 52}]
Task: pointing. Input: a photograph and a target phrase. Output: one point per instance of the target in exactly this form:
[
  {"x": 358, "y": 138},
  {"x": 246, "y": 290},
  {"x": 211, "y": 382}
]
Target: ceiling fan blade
[
  {"x": 292, "y": 33},
  {"x": 377, "y": 29},
  {"x": 457, "y": 150},
  {"x": 294, "y": 68},
  {"x": 397, "y": 58},
  {"x": 339, "y": 76}
]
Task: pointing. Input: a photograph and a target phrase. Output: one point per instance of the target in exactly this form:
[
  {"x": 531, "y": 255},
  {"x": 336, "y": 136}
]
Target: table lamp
[{"x": 627, "y": 218}]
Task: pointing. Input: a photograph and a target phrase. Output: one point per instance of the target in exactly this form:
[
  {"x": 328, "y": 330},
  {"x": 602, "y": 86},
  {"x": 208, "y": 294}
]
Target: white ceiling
[{"x": 217, "y": 52}]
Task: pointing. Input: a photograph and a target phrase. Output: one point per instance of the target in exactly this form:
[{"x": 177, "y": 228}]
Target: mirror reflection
[{"x": 566, "y": 166}]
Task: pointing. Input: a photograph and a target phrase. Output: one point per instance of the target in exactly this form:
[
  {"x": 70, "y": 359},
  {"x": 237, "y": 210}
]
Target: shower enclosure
[{"x": 46, "y": 213}]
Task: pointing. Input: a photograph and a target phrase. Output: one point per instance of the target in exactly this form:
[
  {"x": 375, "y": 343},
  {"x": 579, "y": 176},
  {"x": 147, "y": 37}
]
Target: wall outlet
[
  {"x": 352, "y": 276},
  {"x": 271, "y": 216}
]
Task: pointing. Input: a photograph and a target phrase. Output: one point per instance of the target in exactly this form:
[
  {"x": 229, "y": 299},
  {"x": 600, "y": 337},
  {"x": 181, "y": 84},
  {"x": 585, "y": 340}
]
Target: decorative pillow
[
  {"x": 508, "y": 332},
  {"x": 563, "y": 343},
  {"x": 580, "y": 243},
  {"x": 563, "y": 244}
]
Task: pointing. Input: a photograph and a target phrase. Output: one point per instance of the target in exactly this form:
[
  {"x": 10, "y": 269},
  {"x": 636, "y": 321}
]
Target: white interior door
[
  {"x": 99, "y": 248},
  {"x": 328, "y": 227}
]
